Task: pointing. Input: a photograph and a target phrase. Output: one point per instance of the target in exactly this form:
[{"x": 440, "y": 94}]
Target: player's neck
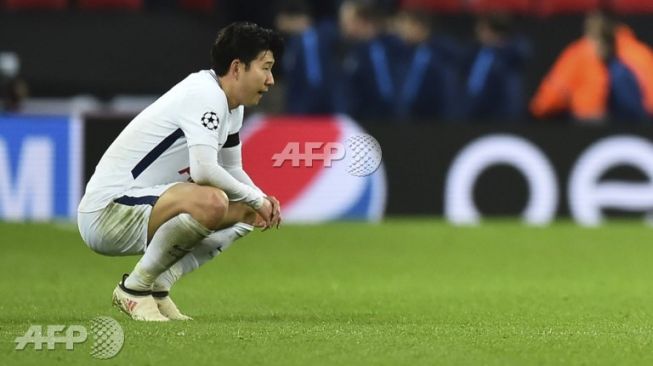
[{"x": 227, "y": 88}]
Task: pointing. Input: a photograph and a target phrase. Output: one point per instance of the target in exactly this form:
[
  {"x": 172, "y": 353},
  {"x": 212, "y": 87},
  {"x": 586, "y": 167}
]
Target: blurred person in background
[
  {"x": 368, "y": 90},
  {"x": 494, "y": 87},
  {"x": 607, "y": 74},
  {"x": 13, "y": 88},
  {"x": 309, "y": 64},
  {"x": 425, "y": 71}
]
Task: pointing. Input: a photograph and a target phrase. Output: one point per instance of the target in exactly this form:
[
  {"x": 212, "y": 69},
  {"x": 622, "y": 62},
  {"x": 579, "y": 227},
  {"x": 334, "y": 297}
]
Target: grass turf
[{"x": 406, "y": 292}]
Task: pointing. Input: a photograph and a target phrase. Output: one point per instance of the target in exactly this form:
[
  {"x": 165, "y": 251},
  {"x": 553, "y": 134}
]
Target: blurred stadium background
[
  {"x": 459, "y": 96},
  {"x": 435, "y": 82}
]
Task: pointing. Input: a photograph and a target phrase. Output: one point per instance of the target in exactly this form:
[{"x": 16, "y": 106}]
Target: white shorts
[{"x": 121, "y": 227}]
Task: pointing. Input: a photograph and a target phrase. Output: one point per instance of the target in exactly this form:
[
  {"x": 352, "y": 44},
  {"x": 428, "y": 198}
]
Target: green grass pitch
[{"x": 405, "y": 292}]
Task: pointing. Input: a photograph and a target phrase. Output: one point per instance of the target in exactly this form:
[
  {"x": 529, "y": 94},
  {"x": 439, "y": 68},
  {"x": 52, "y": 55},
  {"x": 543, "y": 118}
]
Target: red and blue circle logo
[{"x": 320, "y": 168}]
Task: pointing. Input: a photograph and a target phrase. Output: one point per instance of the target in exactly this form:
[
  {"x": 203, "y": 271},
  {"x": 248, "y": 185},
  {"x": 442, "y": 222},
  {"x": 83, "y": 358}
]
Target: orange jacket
[{"x": 579, "y": 82}]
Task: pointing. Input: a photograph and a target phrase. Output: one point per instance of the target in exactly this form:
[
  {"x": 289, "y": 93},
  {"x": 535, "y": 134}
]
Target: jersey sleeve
[
  {"x": 200, "y": 115},
  {"x": 204, "y": 169}
]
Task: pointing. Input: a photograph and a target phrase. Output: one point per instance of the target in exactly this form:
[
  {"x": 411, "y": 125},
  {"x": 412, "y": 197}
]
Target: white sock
[
  {"x": 172, "y": 241},
  {"x": 208, "y": 249}
]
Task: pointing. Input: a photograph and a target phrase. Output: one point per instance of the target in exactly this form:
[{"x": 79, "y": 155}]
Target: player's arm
[
  {"x": 230, "y": 158},
  {"x": 204, "y": 169}
]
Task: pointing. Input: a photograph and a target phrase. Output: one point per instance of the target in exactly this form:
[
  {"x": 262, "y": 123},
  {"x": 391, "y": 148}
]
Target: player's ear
[{"x": 235, "y": 67}]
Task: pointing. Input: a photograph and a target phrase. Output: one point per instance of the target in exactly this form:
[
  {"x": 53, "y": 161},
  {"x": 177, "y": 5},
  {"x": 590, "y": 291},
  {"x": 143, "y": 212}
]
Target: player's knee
[{"x": 215, "y": 207}]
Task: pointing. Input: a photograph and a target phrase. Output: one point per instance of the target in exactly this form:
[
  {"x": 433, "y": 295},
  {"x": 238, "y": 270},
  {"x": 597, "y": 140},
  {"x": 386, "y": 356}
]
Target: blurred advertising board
[
  {"x": 537, "y": 172},
  {"x": 40, "y": 167}
]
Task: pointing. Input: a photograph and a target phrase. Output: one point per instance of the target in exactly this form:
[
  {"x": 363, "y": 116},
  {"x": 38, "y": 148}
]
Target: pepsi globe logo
[{"x": 320, "y": 168}]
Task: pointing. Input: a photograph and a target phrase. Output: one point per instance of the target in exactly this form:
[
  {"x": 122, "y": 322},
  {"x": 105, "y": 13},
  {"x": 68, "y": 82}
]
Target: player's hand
[
  {"x": 270, "y": 213},
  {"x": 276, "y": 206},
  {"x": 259, "y": 222}
]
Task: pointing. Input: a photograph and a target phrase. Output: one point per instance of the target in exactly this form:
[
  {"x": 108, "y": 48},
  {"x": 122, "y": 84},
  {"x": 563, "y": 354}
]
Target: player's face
[{"x": 257, "y": 79}]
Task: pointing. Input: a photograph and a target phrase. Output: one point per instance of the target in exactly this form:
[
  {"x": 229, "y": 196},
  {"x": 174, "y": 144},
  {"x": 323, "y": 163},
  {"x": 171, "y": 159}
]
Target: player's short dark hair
[{"x": 243, "y": 41}]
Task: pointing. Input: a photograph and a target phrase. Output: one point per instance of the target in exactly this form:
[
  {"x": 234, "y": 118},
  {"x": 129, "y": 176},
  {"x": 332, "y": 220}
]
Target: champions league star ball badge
[{"x": 210, "y": 121}]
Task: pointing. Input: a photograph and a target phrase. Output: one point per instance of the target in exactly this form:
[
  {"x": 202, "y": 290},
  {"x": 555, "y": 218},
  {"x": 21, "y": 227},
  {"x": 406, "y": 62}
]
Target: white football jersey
[{"x": 153, "y": 148}]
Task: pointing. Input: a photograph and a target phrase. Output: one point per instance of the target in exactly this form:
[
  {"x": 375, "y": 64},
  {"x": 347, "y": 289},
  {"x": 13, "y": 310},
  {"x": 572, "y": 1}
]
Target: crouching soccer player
[{"x": 172, "y": 186}]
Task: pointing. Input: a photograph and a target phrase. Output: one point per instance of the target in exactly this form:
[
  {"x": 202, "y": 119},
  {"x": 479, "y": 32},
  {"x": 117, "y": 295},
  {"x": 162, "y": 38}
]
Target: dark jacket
[
  {"x": 310, "y": 71},
  {"x": 427, "y": 80},
  {"x": 494, "y": 85}
]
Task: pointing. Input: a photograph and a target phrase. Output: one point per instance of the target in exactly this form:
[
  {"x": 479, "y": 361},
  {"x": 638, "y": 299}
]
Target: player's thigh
[
  {"x": 121, "y": 228},
  {"x": 206, "y": 204}
]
